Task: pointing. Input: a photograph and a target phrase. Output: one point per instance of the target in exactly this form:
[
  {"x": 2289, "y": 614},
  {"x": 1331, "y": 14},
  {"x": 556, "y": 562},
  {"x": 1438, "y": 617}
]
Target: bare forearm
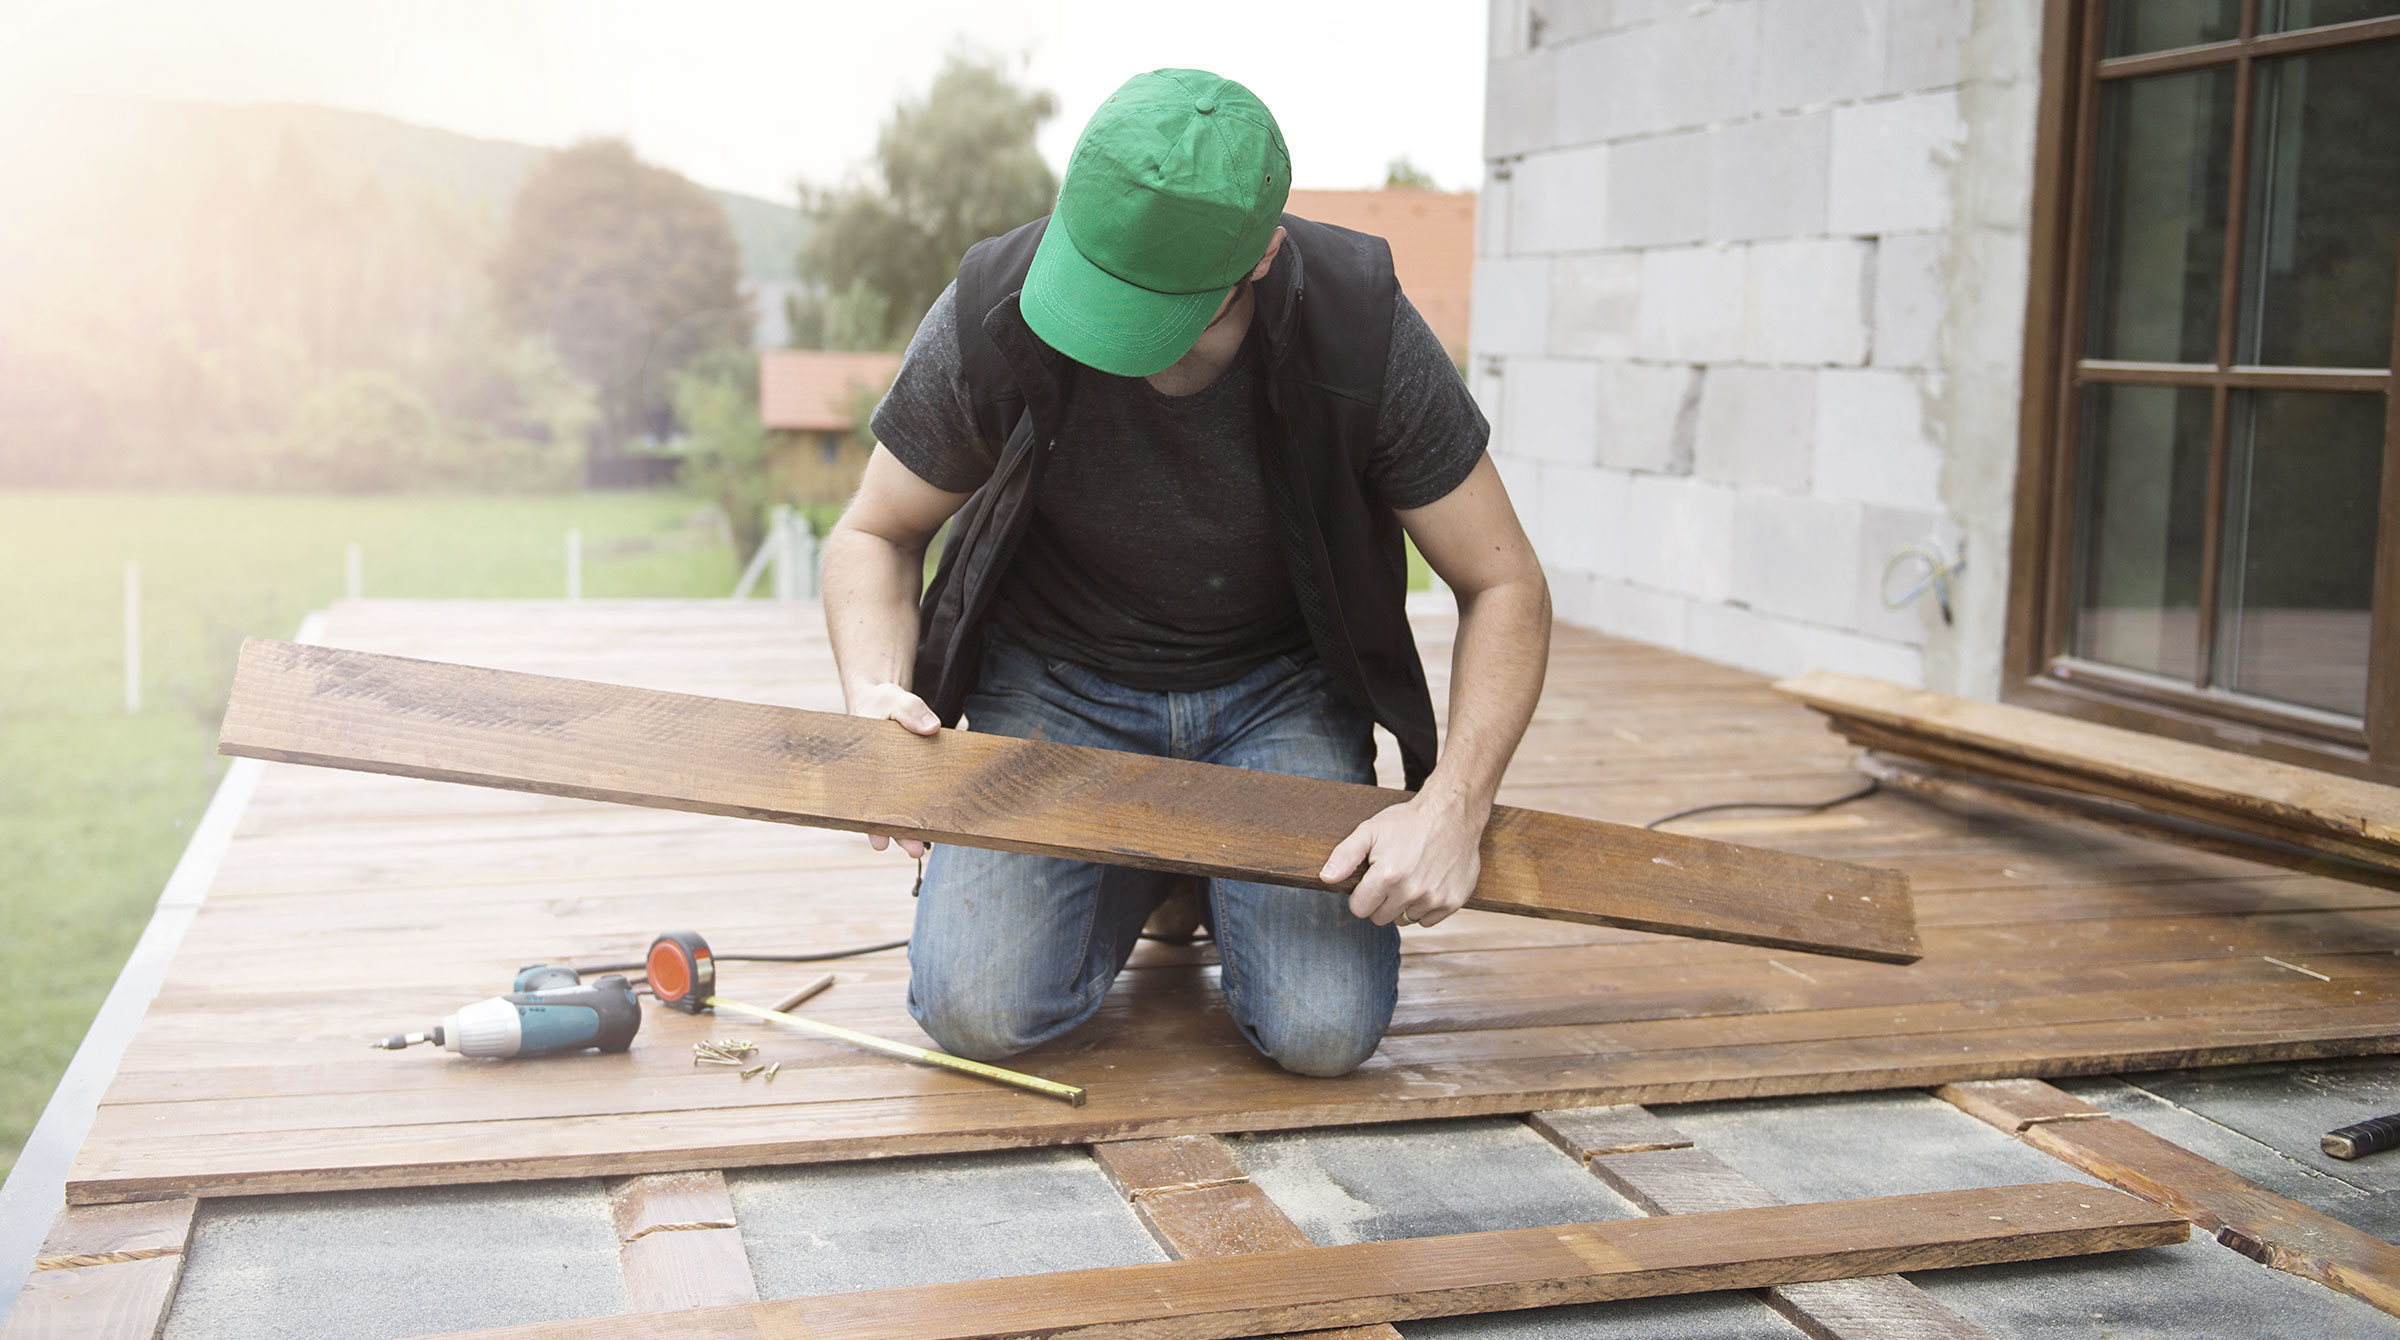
[
  {"x": 1496, "y": 667},
  {"x": 871, "y": 590}
]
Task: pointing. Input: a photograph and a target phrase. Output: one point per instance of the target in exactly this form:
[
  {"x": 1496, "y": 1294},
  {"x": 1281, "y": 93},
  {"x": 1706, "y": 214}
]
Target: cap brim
[{"x": 1100, "y": 320}]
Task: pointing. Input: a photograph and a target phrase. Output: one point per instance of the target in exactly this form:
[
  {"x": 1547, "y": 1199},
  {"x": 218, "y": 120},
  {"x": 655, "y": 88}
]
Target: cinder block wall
[{"x": 1748, "y": 313}]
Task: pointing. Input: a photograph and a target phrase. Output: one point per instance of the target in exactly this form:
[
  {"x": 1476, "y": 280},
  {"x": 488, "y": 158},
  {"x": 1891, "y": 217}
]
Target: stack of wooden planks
[{"x": 2281, "y": 809}]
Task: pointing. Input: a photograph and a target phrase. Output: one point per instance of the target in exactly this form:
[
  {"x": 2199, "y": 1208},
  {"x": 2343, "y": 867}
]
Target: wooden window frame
[{"x": 2036, "y": 669}]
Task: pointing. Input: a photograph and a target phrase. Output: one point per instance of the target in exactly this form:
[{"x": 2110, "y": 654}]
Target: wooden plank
[
  {"x": 2237, "y": 785},
  {"x": 678, "y": 1244},
  {"x": 357, "y": 710},
  {"x": 2209, "y": 827},
  {"x": 91, "y": 1235},
  {"x": 1624, "y": 1128},
  {"x": 1310, "y": 1288},
  {"x": 1878, "y": 1307},
  {"x": 2271, "y": 1229},
  {"x": 2014, "y": 1104},
  {"x": 1196, "y": 1201},
  {"x": 122, "y": 1300}
]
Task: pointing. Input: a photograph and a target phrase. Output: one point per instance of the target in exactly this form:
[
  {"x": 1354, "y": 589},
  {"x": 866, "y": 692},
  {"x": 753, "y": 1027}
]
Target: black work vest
[{"x": 1323, "y": 328}]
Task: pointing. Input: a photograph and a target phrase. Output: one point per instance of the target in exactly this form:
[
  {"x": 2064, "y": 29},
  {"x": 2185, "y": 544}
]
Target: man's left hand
[{"x": 1422, "y": 857}]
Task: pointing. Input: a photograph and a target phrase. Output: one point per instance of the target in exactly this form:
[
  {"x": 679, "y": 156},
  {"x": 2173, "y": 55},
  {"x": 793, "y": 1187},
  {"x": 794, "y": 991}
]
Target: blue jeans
[{"x": 1012, "y": 950}]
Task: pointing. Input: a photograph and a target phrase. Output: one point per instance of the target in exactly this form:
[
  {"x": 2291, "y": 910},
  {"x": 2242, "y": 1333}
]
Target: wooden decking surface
[{"x": 352, "y": 906}]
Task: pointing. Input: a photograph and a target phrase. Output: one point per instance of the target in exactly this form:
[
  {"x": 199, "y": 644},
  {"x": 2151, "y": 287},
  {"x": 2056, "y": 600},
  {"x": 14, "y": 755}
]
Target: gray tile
[
  {"x": 373, "y": 1265},
  {"x": 2288, "y": 1106},
  {"x": 1883, "y": 1144},
  {"x": 1423, "y": 1179},
  {"x": 838, "y": 1227}
]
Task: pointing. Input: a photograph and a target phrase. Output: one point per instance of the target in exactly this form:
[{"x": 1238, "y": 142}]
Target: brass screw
[{"x": 754, "y": 1070}]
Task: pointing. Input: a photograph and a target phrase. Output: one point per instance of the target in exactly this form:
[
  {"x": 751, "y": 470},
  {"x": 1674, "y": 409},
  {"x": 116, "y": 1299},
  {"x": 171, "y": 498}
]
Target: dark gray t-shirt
[{"x": 1150, "y": 557}]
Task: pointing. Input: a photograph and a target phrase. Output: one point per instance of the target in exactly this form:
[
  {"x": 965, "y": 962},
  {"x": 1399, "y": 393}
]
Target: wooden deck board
[{"x": 2050, "y": 950}]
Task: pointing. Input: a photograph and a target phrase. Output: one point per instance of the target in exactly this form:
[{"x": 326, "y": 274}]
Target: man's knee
[
  {"x": 980, "y": 1020},
  {"x": 1319, "y": 1046}
]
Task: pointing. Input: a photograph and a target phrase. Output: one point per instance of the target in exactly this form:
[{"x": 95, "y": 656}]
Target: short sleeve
[
  {"x": 925, "y": 420},
  {"x": 1429, "y": 433}
]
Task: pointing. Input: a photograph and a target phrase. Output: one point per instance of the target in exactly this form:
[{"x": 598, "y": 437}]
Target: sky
[{"x": 756, "y": 97}]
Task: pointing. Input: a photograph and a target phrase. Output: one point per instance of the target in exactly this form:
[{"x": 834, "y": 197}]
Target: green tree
[
  {"x": 951, "y": 169},
  {"x": 632, "y": 271},
  {"x": 726, "y": 447},
  {"x": 1402, "y": 174}
]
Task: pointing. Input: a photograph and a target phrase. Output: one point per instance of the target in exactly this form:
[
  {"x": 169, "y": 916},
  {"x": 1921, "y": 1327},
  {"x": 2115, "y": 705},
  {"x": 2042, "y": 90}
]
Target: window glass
[
  {"x": 2322, "y": 222},
  {"x": 2303, "y": 472},
  {"x": 2158, "y": 222},
  {"x": 2136, "y": 26},
  {"x": 2140, "y": 516},
  {"x": 2282, "y": 16}
]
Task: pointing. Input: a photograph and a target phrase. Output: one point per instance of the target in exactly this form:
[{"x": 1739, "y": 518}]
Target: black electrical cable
[{"x": 1805, "y": 807}]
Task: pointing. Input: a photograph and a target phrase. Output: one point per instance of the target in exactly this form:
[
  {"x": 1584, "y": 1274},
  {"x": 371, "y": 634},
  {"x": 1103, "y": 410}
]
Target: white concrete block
[
  {"x": 1511, "y": 312},
  {"x": 1595, "y": 304},
  {"x": 1560, "y": 201},
  {"x": 1882, "y": 532},
  {"x": 1679, "y": 535},
  {"x": 1891, "y": 165},
  {"x": 1691, "y": 304},
  {"x": 1872, "y": 440},
  {"x": 1768, "y": 178},
  {"x": 1492, "y": 211},
  {"x": 1922, "y": 45},
  {"x": 1578, "y": 522},
  {"x": 1780, "y": 647},
  {"x": 1909, "y": 281},
  {"x": 1520, "y": 104},
  {"x": 1648, "y": 416},
  {"x": 1807, "y": 302},
  {"x": 1732, "y": 635},
  {"x": 1691, "y": 66},
  {"x": 1855, "y": 654},
  {"x": 1659, "y": 190},
  {"x": 1622, "y": 609},
  {"x": 1506, "y": 28},
  {"x": 1563, "y": 21},
  {"x": 1814, "y": 52},
  {"x": 1754, "y": 427},
  {"x": 1552, "y": 407},
  {"x": 1797, "y": 557}
]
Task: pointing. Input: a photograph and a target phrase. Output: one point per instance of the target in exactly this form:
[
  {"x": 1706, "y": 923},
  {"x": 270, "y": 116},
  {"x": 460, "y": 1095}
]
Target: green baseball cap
[{"x": 1171, "y": 196}]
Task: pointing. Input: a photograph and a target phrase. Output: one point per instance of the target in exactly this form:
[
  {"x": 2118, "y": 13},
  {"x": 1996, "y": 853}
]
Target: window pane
[
  {"x": 2135, "y": 26},
  {"x": 2139, "y": 517},
  {"x": 2158, "y": 223},
  {"x": 2322, "y": 224},
  {"x": 2282, "y": 16},
  {"x": 2302, "y": 477}
]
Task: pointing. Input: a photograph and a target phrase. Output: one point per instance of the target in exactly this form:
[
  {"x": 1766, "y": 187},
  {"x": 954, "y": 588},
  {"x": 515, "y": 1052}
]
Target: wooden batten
[{"x": 1316, "y": 1288}]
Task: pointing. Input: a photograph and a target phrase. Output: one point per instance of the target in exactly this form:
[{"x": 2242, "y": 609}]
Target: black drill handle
[
  {"x": 611, "y": 1001},
  {"x": 2372, "y": 1136}
]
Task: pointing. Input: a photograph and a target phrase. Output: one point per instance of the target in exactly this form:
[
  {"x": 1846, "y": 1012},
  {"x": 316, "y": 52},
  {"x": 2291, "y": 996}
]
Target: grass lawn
[{"x": 96, "y": 805}]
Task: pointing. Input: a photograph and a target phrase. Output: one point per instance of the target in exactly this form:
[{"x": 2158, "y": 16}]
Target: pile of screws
[{"x": 733, "y": 1052}]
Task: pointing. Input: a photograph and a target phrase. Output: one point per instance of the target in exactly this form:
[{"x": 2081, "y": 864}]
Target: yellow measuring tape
[{"x": 1053, "y": 1088}]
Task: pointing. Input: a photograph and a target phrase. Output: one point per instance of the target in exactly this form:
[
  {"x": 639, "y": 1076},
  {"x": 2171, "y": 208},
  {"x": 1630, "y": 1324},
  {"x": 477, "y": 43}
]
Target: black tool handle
[{"x": 2372, "y": 1136}]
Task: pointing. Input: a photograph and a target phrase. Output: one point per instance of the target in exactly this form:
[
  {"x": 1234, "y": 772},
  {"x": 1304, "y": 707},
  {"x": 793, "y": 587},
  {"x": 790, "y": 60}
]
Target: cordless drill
[{"x": 548, "y": 1009}]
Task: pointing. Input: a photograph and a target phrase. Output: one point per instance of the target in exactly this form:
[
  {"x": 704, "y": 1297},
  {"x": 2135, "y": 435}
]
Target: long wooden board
[
  {"x": 412, "y": 718},
  {"x": 2356, "y": 819},
  {"x": 1322, "y": 1288},
  {"x": 2268, "y": 1228}
]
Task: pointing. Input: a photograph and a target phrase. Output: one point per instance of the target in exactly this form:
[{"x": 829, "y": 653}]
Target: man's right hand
[{"x": 890, "y": 702}]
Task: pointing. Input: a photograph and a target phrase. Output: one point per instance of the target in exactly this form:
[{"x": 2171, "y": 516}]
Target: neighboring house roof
[
  {"x": 816, "y": 390},
  {"x": 1433, "y": 245}
]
